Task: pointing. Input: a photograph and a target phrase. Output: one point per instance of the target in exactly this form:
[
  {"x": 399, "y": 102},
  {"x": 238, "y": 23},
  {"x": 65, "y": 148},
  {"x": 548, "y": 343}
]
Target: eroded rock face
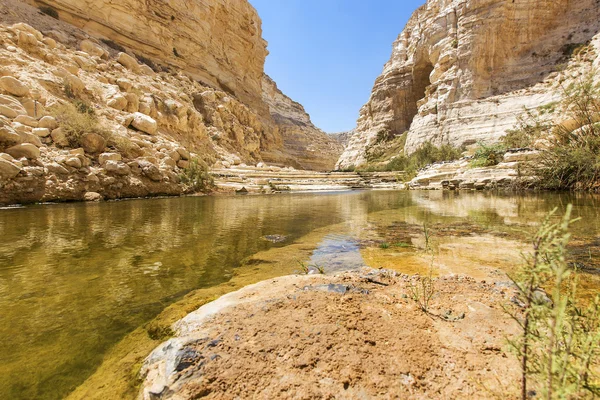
[
  {"x": 304, "y": 145},
  {"x": 217, "y": 42},
  {"x": 463, "y": 70}
]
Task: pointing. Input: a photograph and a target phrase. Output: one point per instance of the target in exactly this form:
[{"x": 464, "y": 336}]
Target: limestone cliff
[
  {"x": 216, "y": 42},
  {"x": 463, "y": 70},
  {"x": 101, "y": 113},
  {"x": 305, "y": 146}
]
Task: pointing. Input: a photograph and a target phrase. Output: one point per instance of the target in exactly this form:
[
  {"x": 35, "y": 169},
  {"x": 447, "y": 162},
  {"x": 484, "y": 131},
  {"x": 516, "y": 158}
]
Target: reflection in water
[
  {"x": 76, "y": 278},
  {"x": 338, "y": 253}
]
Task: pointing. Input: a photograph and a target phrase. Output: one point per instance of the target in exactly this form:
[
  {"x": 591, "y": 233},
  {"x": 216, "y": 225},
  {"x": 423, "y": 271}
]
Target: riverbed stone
[{"x": 92, "y": 197}]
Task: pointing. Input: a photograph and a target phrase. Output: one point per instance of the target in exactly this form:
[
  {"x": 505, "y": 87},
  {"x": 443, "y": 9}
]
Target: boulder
[
  {"x": 118, "y": 102},
  {"x": 74, "y": 162},
  {"x": 8, "y": 169},
  {"x": 48, "y": 122},
  {"x": 49, "y": 42},
  {"x": 91, "y": 48},
  {"x": 56, "y": 168},
  {"x": 26, "y": 150},
  {"x": 77, "y": 152},
  {"x": 144, "y": 123},
  {"x": 128, "y": 62},
  {"x": 13, "y": 86},
  {"x": 8, "y": 111},
  {"x": 41, "y": 132},
  {"x": 27, "y": 120},
  {"x": 75, "y": 84},
  {"x": 26, "y": 39},
  {"x": 117, "y": 168},
  {"x": 9, "y": 137},
  {"x": 92, "y": 143},
  {"x": 150, "y": 170},
  {"x": 104, "y": 157},
  {"x": 183, "y": 164},
  {"x": 27, "y": 137},
  {"x": 185, "y": 155},
  {"x": 92, "y": 197}
]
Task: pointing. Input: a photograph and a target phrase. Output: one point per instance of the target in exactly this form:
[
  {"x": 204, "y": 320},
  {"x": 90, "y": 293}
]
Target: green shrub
[
  {"x": 488, "y": 155},
  {"x": 530, "y": 127},
  {"x": 196, "y": 177},
  {"x": 571, "y": 160},
  {"x": 559, "y": 343},
  {"x": 78, "y": 118},
  {"x": 425, "y": 155}
]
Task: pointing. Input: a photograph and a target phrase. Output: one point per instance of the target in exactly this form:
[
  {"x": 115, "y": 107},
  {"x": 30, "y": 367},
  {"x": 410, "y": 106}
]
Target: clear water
[{"x": 76, "y": 278}]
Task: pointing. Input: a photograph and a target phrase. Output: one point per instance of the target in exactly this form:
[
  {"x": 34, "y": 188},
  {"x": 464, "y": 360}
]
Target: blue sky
[{"x": 326, "y": 54}]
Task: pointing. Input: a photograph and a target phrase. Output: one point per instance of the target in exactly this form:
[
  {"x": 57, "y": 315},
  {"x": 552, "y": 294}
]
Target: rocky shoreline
[{"x": 358, "y": 333}]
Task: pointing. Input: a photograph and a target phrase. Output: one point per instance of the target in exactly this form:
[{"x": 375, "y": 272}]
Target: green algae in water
[{"x": 75, "y": 279}]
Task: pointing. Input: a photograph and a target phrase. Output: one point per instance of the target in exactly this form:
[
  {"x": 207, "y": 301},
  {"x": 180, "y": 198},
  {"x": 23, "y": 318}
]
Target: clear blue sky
[{"x": 326, "y": 54}]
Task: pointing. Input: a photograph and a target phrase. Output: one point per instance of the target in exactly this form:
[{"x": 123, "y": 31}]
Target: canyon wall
[
  {"x": 305, "y": 146},
  {"x": 90, "y": 109},
  {"x": 217, "y": 42},
  {"x": 463, "y": 70}
]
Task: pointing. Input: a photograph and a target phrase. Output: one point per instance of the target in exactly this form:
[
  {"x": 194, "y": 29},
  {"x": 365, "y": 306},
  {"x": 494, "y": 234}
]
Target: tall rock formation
[
  {"x": 463, "y": 70},
  {"x": 305, "y": 146},
  {"x": 217, "y": 43}
]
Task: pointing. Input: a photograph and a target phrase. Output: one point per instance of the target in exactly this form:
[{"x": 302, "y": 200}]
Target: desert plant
[
  {"x": 422, "y": 288},
  {"x": 423, "y": 156},
  {"x": 196, "y": 177},
  {"x": 559, "y": 342},
  {"x": 488, "y": 155},
  {"x": 571, "y": 159},
  {"x": 78, "y": 118}
]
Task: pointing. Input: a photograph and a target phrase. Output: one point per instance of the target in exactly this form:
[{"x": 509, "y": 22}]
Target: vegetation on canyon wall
[{"x": 559, "y": 344}]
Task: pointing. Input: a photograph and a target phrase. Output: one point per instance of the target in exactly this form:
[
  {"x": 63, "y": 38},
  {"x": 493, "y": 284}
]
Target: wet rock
[
  {"x": 13, "y": 86},
  {"x": 92, "y": 143},
  {"x": 26, "y": 150},
  {"x": 275, "y": 238},
  {"x": 92, "y": 197},
  {"x": 144, "y": 123}
]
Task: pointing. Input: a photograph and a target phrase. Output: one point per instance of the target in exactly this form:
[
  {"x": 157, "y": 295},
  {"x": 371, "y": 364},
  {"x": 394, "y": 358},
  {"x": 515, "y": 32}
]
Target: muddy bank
[{"x": 358, "y": 334}]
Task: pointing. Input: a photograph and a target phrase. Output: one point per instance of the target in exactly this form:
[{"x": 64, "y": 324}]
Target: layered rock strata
[
  {"x": 304, "y": 145},
  {"x": 463, "y": 70},
  {"x": 145, "y": 129}
]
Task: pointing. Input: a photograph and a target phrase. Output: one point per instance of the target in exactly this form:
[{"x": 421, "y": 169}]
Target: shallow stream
[{"x": 75, "y": 279}]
